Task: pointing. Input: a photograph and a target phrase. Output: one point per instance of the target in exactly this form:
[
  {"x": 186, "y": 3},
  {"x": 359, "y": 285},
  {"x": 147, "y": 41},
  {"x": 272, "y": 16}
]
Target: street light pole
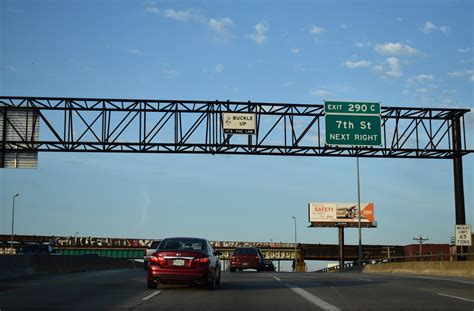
[
  {"x": 13, "y": 223},
  {"x": 295, "y": 242}
]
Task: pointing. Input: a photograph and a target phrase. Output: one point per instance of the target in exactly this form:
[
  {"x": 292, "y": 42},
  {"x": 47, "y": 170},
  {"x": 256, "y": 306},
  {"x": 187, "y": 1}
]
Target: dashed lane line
[
  {"x": 276, "y": 278},
  {"x": 152, "y": 295},
  {"x": 312, "y": 298},
  {"x": 456, "y": 297}
]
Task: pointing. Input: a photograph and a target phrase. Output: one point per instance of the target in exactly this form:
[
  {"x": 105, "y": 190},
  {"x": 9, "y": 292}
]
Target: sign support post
[
  {"x": 358, "y": 212},
  {"x": 458, "y": 181}
]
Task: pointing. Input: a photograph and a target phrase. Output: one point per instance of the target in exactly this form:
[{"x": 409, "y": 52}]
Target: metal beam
[{"x": 178, "y": 126}]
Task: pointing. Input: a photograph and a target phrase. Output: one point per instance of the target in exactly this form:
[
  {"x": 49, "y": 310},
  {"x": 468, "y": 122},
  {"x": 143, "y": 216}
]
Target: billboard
[{"x": 340, "y": 212}]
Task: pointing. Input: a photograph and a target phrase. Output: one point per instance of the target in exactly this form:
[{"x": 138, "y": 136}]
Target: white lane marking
[
  {"x": 313, "y": 299},
  {"x": 152, "y": 295},
  {"x": 362, "y": 279},
  {"x": 276, "y": 278},
  {"x": 460, "y": 298},
  {"x": 436, "y": 279}
]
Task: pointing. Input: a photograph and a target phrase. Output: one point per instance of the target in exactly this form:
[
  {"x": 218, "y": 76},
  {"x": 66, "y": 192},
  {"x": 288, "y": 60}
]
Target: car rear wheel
[
  {"x": 212, "y": 283},
  {"x": 232, "y": 269},
  {"x": 219, "y": 278},
  {"x": 151, "y": 284}
]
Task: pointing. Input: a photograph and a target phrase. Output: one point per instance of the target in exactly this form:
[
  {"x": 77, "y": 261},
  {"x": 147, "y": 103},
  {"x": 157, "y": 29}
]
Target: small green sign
[
  {"x": 353, "y": 130},
  {"x": 351, "y": 108}
]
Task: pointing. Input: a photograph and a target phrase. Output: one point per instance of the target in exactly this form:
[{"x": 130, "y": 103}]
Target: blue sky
[{"x": 399, "y": 53}]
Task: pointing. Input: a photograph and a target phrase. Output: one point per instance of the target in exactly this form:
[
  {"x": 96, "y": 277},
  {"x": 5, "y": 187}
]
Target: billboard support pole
[
  {"x": 341, "y": 246},
  {"x": 358, "y": 212}
]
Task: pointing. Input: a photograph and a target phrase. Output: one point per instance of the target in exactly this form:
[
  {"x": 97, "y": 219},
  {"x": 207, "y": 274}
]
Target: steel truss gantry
[{"x": 178, "y": 126}]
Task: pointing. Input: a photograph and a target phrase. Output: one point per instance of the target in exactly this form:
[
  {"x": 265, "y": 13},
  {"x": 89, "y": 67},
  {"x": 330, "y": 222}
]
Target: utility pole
[
  {"x": 420, "y": 240},
  {"x": 387, "y": 251}
]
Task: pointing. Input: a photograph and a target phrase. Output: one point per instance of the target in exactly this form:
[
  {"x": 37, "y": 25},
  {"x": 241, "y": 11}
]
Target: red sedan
[
  {"x": 184, "y": 261},
  {"x": 247, "y": 258}
]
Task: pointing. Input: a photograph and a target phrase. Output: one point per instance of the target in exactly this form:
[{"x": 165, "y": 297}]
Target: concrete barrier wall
[
  {"x": 25, "y": 265},
  {"x": 447, "y": 268}
]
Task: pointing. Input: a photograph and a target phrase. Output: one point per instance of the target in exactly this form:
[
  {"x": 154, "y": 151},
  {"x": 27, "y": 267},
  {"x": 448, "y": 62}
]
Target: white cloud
[
  {"x": 220, "y": 26},
  {"x": 219, "y": 68},
  {"x": 295, "y": 50},
  {"x": 399, "y": 19},
  {"x": 303, "y": 68},
  {"x": 394, "y": 65},
  {"x": 343, "y": 26},
  {"x": 87, "y": 68},
  {"x": 394, "y": 70},
  {"x": 358, "y": 64},
  {"x": 135, "y": 52},
  {"x": 444, "y": 29},
  {"x": 449, "y": 92},
  {"x": 465, "y": 73},
  {"x": 182, "y": 16},
  {"x": 362, "y": 44},
  {"x": 468, "y": 61},
  {"x": 320, "y": 93},
  {"x": 11, "y": 68},
  {"x": 152, "y": 8},
  {"x": 420, "y": 79},
  {"x": 260, "y": 36},
  {"x": 391, "y": 48},
  {"x": 170, "y": 72},
  {"x": 466, "y": 50},
  {"x": 316, "y": 30},
  {"x": 428, "y": 27}
]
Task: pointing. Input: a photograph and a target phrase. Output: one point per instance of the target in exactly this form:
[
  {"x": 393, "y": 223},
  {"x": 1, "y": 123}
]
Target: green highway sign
[
  {"x": 353, "y": 130},
  {"x": 351, "y": 107}
]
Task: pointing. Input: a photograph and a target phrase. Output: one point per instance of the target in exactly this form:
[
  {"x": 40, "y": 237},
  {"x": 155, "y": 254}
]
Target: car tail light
[
  {"x": 201, "y": 260},
  {"x": 157, "y": 259},
  {"x": 256, "y": 257}
]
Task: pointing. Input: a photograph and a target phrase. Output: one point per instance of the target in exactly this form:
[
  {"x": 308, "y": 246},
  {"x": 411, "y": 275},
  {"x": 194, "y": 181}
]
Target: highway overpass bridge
[{"x": 134, "y": 248}]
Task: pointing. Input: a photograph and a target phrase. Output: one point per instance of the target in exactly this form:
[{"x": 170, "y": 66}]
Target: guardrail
[
  {"x": 14, "y": 266},
  {"x": 432, "y": 257}
]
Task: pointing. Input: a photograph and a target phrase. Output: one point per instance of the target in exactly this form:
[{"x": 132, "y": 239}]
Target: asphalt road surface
[{"x": 126, "y": 290}]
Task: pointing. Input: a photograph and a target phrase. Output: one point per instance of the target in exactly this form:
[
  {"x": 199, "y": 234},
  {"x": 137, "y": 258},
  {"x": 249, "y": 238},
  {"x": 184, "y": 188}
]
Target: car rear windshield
[
  {"x": 154, "y": 244},
  {"x": 245, "y": 251},
  {"x": 183, "y": 245}
]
